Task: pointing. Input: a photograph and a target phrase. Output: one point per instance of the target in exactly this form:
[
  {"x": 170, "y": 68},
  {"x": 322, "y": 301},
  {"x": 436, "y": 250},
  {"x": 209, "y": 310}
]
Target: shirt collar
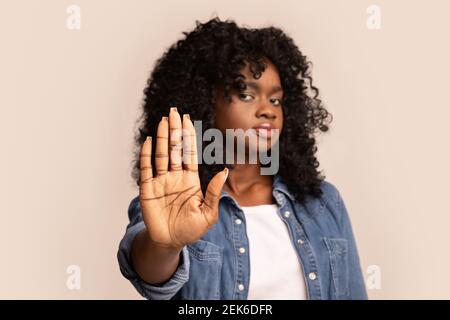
[
  {"x": 279, "y": 191},
  {"x": 278, "y": 185}
]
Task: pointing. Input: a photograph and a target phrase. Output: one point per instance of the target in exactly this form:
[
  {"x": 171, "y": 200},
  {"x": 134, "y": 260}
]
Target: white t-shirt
[{"x": 275, "y": 269}]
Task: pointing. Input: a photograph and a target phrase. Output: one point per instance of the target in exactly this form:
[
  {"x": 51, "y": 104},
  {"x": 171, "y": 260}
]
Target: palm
[
  {"x": 175, "y": 216},
  {"x": 173, "y": 207}
]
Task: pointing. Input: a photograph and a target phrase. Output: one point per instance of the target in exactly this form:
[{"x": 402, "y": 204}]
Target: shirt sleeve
[
  {"x": 357, "y": 288},
  {"x": 165, "y": 291}
]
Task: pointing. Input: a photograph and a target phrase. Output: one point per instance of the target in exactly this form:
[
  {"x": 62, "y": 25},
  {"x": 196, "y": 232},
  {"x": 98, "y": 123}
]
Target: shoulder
[
  {"x": 328, "y": 205},
  {"x": 134, "y": 209},
  {"x": 134, "y": 204},
  {"x": 333, "y": 205},
  {"x": 330, "y": 193}
]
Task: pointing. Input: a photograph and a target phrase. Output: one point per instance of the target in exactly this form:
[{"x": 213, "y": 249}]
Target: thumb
[{"x": 212, "y": 194}]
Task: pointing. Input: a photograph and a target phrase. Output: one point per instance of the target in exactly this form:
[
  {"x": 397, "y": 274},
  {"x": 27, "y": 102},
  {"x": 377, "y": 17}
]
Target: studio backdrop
[{"x": 72, "y": 75}]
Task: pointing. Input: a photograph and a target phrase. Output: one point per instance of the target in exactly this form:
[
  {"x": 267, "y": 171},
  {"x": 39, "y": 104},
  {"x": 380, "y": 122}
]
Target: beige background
[{"x": 69, "y": 100}]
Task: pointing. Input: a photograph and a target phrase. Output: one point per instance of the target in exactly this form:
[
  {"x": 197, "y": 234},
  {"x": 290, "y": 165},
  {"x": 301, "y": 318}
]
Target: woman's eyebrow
[{"x": 256, "y": 86}]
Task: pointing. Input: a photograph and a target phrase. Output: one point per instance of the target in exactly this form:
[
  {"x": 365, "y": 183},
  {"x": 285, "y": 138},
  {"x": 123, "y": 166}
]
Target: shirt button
[
  {"x": 238, "y": 221},
  {"x": 241, "y": 287},
  {"x": 312, "y": 276},
  {"x": 287, "y": 214},
  {"x": 300, "y": 241},
  {"x": 242, "y": 250}
]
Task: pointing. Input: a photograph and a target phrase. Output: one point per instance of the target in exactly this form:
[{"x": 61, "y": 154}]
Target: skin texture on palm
[{"x": 174, "y": 209}]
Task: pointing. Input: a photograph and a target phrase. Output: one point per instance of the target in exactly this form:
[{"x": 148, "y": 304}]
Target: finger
[
  {"x": 189, "y": 145},
  {"x": 162, "y": 145},
  {"x": 212, "y": 196},
  {"x": 175, "y": 145},
  {"x": 146, "y": 160}
]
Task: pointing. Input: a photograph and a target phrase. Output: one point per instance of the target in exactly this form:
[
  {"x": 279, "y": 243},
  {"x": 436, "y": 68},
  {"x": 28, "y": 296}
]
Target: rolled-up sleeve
[{"x": 165, "y": 291}]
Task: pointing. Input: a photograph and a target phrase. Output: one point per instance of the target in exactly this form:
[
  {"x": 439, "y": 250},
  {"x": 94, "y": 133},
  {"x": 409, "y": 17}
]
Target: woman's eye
[
  {"x": 276, "y": 102},
  {"x": 245, "y": 97}
]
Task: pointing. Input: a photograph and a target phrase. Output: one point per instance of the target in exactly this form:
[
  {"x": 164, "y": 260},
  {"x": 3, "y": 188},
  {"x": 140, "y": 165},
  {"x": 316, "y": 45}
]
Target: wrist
[{"x": 160, "y": 247}]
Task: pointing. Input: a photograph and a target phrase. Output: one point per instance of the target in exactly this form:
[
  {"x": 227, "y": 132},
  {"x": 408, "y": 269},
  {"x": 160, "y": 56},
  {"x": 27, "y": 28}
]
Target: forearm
[{"x": 154, "y": 264}]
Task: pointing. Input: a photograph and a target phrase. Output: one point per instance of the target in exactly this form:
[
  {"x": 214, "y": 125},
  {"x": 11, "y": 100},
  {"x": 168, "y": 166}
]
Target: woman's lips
[{"x": 264, "y": 130}]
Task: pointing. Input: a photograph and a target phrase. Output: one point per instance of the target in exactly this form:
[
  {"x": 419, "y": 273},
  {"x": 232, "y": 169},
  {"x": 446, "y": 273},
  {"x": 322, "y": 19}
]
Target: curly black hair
[{"x": 211, "y": 56}]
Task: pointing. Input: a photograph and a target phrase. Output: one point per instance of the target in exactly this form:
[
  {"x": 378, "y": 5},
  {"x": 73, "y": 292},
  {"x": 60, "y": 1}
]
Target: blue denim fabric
[{"x": 213, "y": 267}]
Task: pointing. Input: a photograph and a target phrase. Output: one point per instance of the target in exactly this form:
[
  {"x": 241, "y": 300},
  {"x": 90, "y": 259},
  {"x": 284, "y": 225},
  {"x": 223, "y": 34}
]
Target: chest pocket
[
  {"x": 205, "y": 271},
  {"x": 338, "y": 251}
]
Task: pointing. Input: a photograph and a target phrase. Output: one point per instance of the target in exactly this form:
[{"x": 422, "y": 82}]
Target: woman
[{"x": 225, "y": 230}]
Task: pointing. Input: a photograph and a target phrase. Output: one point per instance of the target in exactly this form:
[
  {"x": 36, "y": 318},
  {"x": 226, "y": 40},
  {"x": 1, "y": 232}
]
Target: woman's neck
[{"x": 245, "y": 177}]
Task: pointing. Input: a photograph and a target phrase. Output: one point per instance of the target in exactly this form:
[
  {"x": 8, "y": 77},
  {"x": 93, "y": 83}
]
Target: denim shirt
[{"x": 214, "y": 268}]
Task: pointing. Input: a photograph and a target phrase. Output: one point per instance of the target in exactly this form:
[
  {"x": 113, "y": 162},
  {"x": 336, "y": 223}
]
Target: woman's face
[{"x": 258, "y": 107}]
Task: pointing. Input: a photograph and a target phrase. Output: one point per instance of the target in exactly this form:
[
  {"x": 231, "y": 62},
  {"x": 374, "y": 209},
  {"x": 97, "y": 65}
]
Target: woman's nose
[{"x": 265, "y": 110}]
